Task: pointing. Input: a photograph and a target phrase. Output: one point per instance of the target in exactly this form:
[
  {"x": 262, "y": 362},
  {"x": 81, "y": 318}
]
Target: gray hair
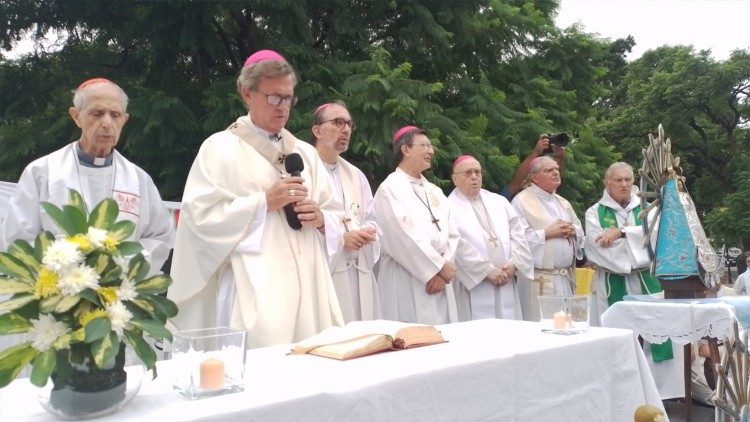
[
  {"x": 405, "y": 139},
  {"x": 250, "y": 76},
  {"x": 536, "y": 164},
  {"x": 617, "y": 166},
  {"x": 80, "y": 98}
]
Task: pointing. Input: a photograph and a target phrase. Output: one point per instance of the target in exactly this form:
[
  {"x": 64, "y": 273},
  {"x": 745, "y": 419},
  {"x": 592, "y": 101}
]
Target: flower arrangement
[{"x": 80, "y": 297}]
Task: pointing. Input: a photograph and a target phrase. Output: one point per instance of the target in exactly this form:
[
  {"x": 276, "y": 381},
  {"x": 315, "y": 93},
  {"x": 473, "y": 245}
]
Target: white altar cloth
[
  {"x": 684, "y": 323},
  {"x": 489, "y": 370}
]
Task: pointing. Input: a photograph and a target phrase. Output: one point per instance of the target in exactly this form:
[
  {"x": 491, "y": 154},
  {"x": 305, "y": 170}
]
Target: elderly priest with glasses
[
  {"x": 493, "y": 247},
  {"x": 258, "y": 221},
  {"x": 419, "y": 238}
]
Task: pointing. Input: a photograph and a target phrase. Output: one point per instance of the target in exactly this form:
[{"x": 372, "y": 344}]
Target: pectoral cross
[{"x": 435, "y": 221}]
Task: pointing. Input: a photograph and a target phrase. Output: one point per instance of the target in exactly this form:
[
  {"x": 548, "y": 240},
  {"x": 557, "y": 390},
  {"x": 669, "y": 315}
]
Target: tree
[
  {"x": 703, "y": 105},
  {"x": 484, "y": 78}
]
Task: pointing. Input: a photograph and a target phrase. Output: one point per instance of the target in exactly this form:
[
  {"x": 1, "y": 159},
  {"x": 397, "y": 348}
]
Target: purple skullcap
[
  {"x": 322, "y": 107},
  {"x": 262, "y": 56},
  {"x": 460, "y": 159},
  {"x": 92, "y": 81},
  {"x": 403, "y": 131}
]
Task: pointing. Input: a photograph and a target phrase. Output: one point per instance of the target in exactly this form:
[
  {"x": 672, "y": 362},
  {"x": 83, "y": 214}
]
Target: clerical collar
[
  {"x": 88, "y": 160},
  {"x": 541, "y": 192},
  {"x": 276, "y": 137},
  {"x": 331, "y": 167}
]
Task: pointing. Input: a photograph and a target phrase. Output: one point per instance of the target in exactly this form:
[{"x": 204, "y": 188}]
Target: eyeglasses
[
  {"x": 340, "y": 123},
  {"x": 469, "y": 173},
  {"x": 425, "y": 146},
  {"x": 276, "y": 100}
]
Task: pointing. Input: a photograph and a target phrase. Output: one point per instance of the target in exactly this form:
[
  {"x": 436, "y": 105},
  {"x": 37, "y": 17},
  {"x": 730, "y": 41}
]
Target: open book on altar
[{"x": 361, "y": 338}]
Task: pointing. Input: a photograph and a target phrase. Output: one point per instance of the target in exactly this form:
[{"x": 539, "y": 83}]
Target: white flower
[
  {"x": 96, "y": 236},
  {"x": 126, "y": 290},
  {"x": 45, "y": 331},
  {"x": 119, "y": 317},
  {"x": 76, "y": 279},
  {"x": 124, "y": 265},
  {"x": 62, "y": 254}
]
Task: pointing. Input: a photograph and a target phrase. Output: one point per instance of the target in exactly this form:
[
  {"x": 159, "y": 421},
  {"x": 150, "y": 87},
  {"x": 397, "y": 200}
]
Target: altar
[{"x": 488, "y": 370}]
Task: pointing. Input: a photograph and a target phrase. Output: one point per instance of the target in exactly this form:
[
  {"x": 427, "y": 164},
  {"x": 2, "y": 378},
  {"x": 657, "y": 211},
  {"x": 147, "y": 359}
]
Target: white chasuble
[
  {"x": 352, "y": 271},
  {"x": 554, "y": 259},
  {"x": 493, "y": 233},
  {"x": 280, "y": 276},
  {"x": 418, "y": 239}
]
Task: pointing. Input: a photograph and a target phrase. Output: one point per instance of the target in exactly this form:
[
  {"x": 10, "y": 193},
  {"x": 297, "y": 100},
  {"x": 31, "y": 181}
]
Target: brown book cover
[{"x": 362, "y": 338}]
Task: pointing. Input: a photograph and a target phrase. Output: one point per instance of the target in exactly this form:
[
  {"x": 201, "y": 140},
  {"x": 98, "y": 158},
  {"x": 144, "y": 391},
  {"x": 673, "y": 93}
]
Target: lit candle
[
  {"x": 212, "y": 373},
  {"x": 561, "y": 320}
]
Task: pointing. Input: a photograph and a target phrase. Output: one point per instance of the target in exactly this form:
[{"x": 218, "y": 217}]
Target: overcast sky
[{"x": 718, "y": 25}]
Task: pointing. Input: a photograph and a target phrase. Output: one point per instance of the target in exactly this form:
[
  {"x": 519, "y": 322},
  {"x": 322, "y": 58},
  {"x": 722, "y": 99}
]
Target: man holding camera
[{"x": 546, "y": 144}]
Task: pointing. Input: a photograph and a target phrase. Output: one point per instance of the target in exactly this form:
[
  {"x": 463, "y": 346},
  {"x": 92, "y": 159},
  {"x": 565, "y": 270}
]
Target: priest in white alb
[
  {"x": 92, "y": 166},
  {"x": 351, "y": 266},
  {"x": 419, "y": 237},
  {"x": 554, "y": 235},
  {"x": 237, "y": 261},
  {"x": 615, "y": 243},
  {"x": 493, "y": 247}
]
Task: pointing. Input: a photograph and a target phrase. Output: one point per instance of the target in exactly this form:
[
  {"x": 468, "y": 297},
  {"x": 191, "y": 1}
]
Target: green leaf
[
  {"x": 77, "y": 217},
  {"x": 138, "y": 268},
  {"x": 111, "y": 277},
  {"x": 156, "y": 284},
  {"x": 11, "y": 323},
  {"x": 9, "y": 286},
  {"x": 129, "y": 248},
  {"x": 42, "y": 242},
  {"x": 97, "y": 328},
  {"x": 105, "y": 348},
  {"x": 146, "y": 306},
  {"x": 91, "y": 296},
  {"x": 13, "y": 360},
  {"x": 98, "y": 261},
  {"x": 63, "y": 221},
  {"x": 14, "y": 267},
  {"x": 155, "y": 328},
  {"x": 66, "y": 303},
  {"x": 75, "y": 199},
  {"x": 48, "y": 304},
  {"x": 22, "y": 250},
  {"x": 142, "y": 349},
  {"x": 121, "y": 230},
  {"x": 15, "y": 303},
  {"x": 104, "y": 214},
  {"x": 43, "y": 365},
  {"x": 165, "y": 306}
]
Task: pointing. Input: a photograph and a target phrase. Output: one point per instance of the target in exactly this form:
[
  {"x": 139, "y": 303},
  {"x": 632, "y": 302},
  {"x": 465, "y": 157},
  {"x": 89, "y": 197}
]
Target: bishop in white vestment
[
  {"x": 351, "y": 266},
  {"x": 237, "y": 262},
  {"x": 419, "y": 238},
  {"x": 554, "y": 234},
  {"x": 493, "y": 247}
]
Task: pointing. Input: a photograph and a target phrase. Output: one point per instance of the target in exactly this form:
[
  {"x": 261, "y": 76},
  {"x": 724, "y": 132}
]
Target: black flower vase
[{"x": 81, "y": 389}]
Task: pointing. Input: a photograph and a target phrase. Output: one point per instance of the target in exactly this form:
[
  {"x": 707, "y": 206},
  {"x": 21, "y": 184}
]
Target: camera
[{"x": 561, "y": 140}]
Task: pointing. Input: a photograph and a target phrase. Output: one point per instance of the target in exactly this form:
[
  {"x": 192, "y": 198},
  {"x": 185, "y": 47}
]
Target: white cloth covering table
[
  {"x": 488, "y": 370},
  {"x": 683, "y": 323}
]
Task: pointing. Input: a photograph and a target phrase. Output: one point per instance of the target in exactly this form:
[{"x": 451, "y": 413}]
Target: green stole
[{"x": 616, "y": 282}]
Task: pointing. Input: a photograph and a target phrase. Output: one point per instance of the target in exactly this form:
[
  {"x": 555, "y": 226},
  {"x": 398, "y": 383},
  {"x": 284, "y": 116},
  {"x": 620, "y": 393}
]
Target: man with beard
[{"x": 351, "y": 267}]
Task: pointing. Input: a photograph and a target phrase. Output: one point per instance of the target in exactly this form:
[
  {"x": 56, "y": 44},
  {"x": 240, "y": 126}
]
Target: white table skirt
[
  {"x": 683, "y": 323},
  {"x": 489, "y": 370}
]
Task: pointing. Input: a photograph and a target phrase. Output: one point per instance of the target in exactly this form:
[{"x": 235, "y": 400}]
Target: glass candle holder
[
  {"x": 211, "y": 361},
  {"x": 564, "y": 314}
]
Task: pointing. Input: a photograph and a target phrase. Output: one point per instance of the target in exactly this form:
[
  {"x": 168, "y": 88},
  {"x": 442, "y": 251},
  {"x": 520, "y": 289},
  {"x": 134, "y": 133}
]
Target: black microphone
[{"x": 293, "y": 165}]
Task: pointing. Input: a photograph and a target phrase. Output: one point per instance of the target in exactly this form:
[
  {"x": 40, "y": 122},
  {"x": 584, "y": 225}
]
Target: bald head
[{"x": 82, "y": 94}]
